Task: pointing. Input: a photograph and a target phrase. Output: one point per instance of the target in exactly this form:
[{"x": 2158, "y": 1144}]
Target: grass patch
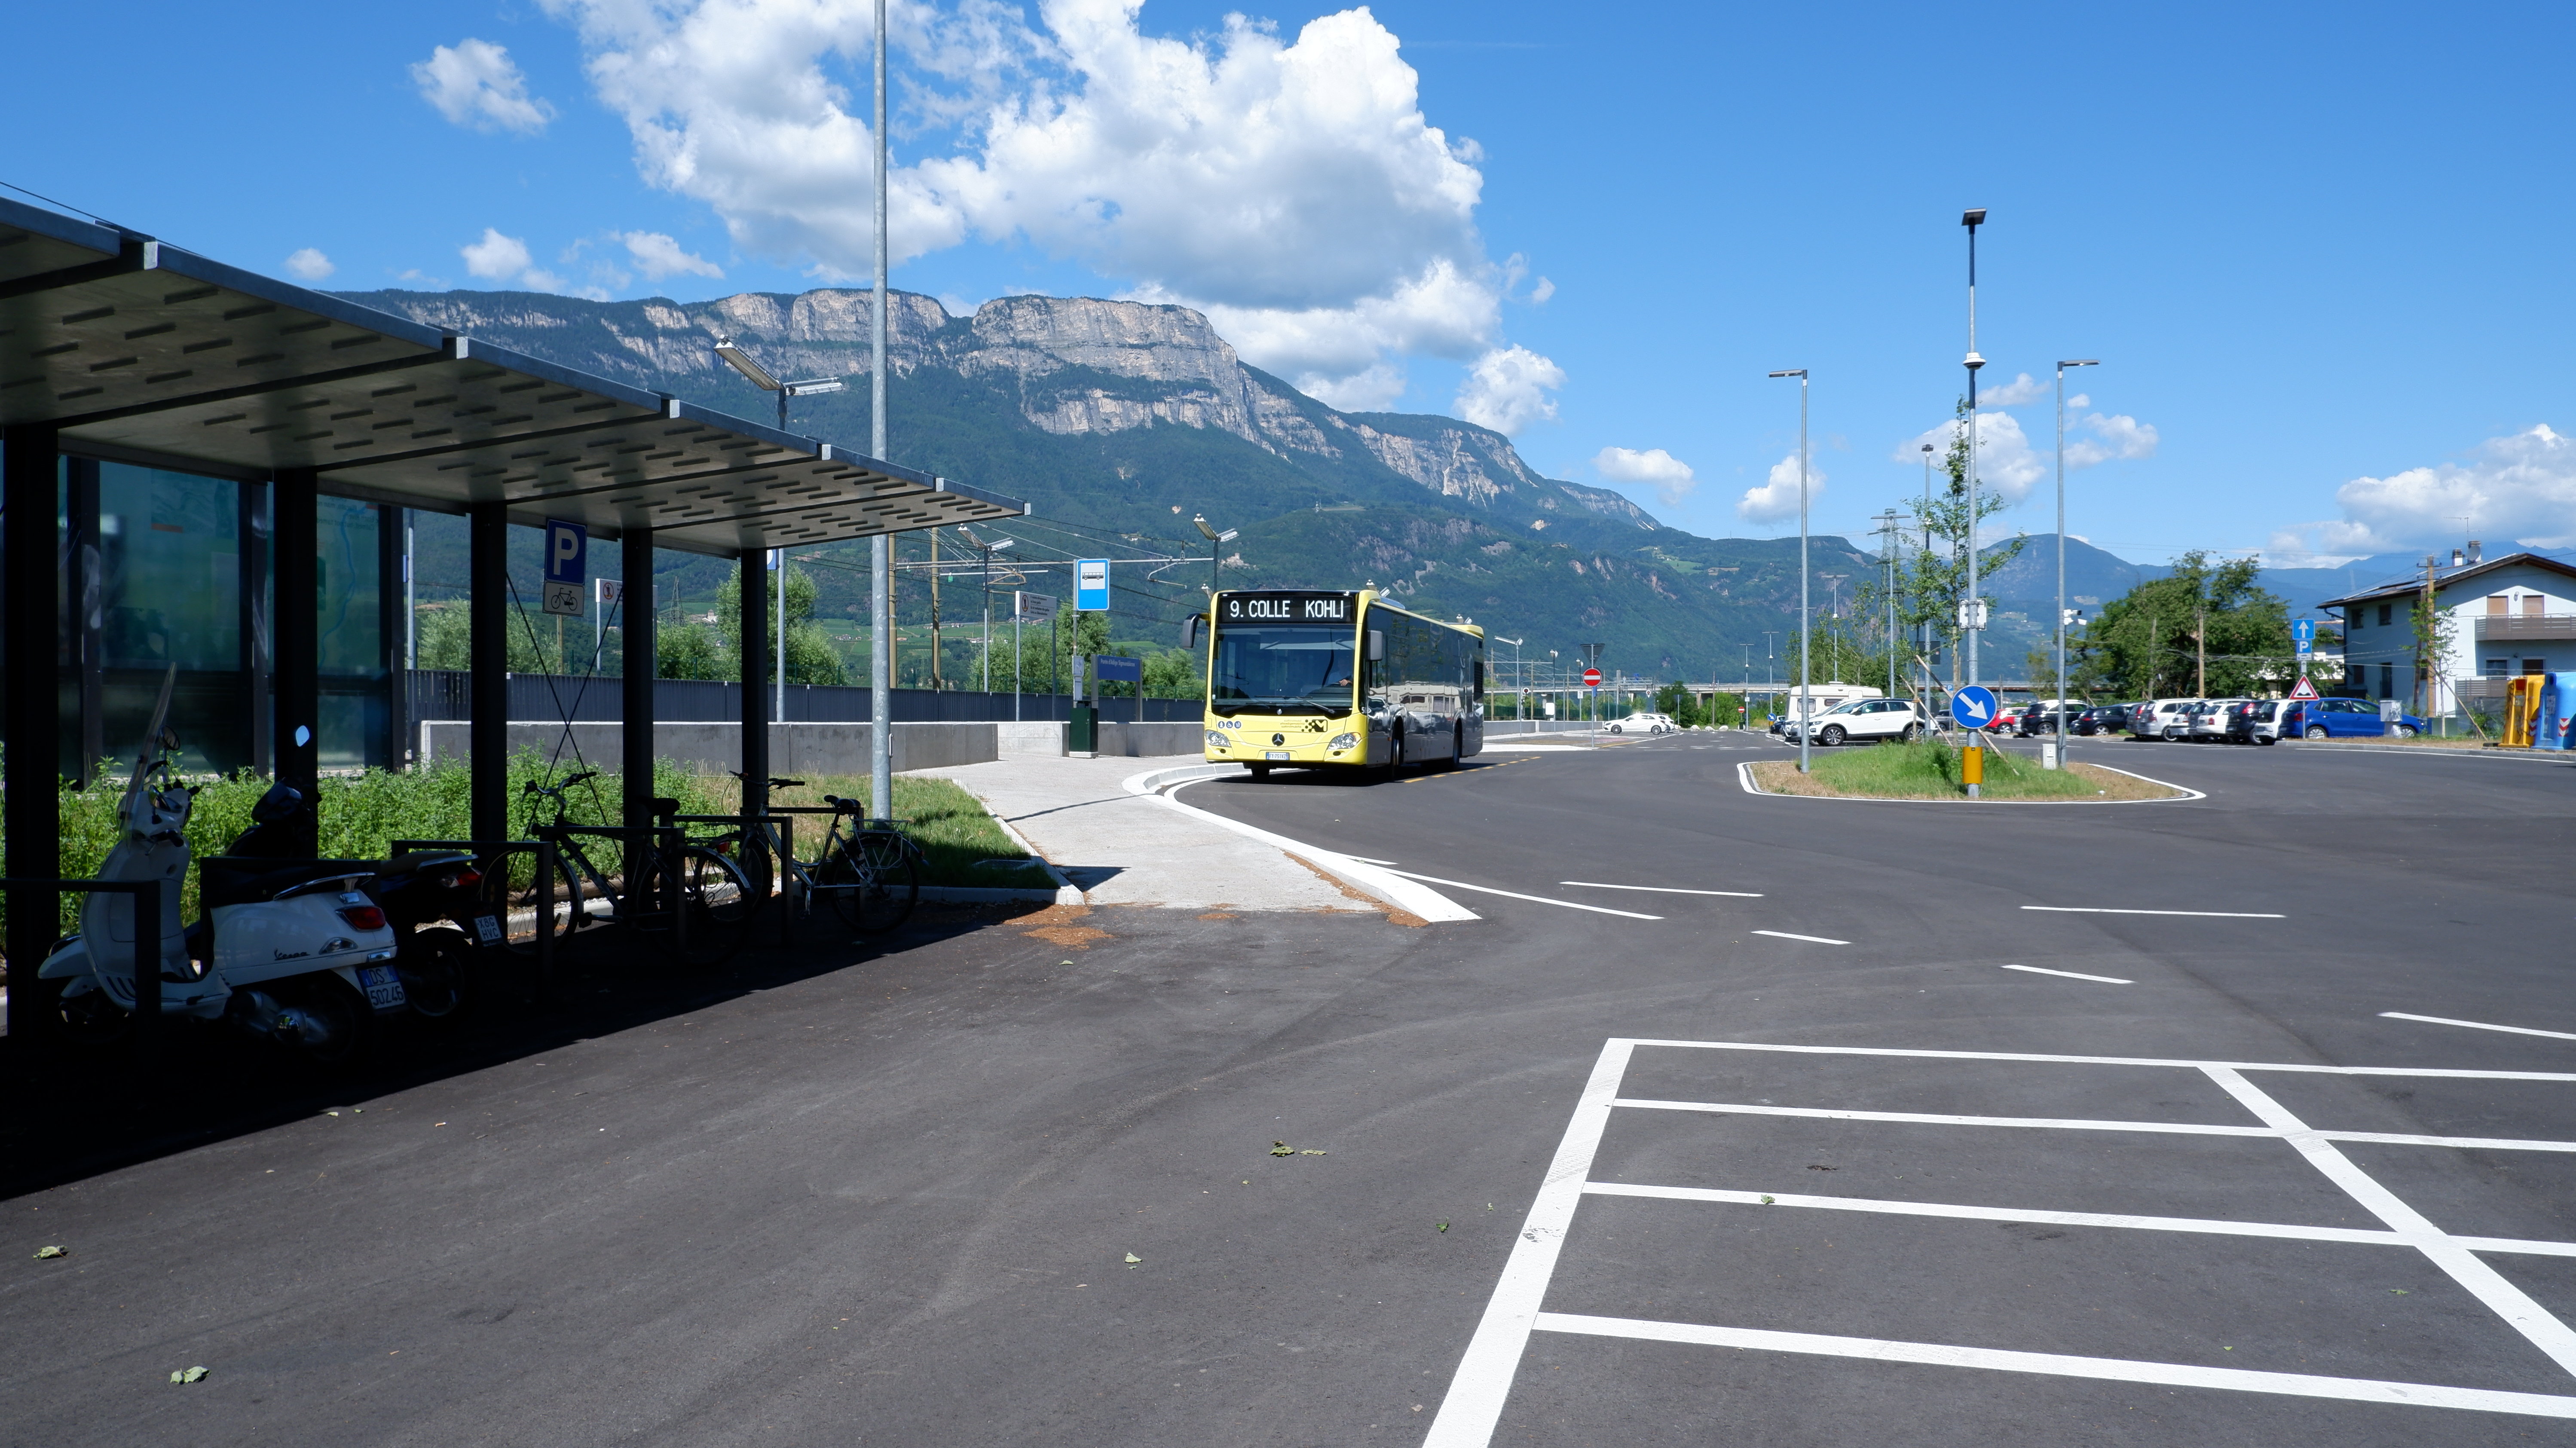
[
  {"x": 1930, "y": 770},
  {"x": 954, "y": 832}
]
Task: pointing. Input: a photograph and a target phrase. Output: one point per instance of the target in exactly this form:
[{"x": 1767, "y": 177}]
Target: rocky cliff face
[{"x": 1078, "y": 366}]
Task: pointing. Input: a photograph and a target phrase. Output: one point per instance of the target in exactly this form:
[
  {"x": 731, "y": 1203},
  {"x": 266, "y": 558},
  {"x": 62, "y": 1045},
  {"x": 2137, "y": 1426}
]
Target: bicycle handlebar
[{"x": 774, "y": 781}]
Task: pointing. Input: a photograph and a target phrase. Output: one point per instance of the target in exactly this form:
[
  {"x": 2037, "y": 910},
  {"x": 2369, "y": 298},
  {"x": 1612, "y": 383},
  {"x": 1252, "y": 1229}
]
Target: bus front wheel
[
  {"x": 1395, "y": 754},
  {"x": 1259, "y": 771}
]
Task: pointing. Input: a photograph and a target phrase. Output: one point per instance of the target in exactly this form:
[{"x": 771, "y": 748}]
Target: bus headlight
[
  {"x": 1217, "y": 740},
  {"x": 1343, "y": 741}
]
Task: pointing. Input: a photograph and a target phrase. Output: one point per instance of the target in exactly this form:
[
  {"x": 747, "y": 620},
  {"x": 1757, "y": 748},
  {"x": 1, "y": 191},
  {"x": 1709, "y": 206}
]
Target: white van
[{"x": 1826, "y": 699}]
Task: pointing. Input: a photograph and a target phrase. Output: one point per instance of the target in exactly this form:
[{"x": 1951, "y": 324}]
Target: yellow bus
[{"x": 1309, "y": 679}]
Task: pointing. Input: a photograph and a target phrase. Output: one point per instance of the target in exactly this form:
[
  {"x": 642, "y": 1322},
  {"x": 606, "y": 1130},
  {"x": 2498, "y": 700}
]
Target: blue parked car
[{"x": 2346, "y": 719}]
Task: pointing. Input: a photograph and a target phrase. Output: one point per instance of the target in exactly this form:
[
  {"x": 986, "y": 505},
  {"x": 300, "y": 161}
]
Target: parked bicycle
[
  {"x": 714, "y": 893},
  {"x": 869, "y": 872}
]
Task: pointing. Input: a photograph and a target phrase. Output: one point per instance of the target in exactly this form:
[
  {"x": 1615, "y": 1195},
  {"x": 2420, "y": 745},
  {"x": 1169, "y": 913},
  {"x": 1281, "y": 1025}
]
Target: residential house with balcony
[{"x": 2510, "y": 615}]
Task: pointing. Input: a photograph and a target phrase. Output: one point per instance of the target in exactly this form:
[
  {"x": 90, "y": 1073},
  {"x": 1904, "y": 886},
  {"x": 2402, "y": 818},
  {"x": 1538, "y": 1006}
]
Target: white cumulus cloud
[
  {"x": 658, "y": 256},
  {"x": 1508, "y": 388},
  {"x": 1291, "y": 189},
  {"x": 2521, "y": 487},
  {"x": 496, "y": 257},
  {"x": 475, "y": 83},
  {"x": 2024, "y": 388},
  {"x": 2010, "y": 465},
  {"x": 1777, "y": 499},
  {"x": 1669, "y": 476},
  {"x": 308, "y": 264}
]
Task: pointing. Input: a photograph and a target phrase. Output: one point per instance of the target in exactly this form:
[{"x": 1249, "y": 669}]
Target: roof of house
[{"x": 2445, "y": 579}]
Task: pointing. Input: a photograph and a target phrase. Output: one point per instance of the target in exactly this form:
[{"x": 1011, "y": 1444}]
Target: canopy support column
[
  {"x": 31, "y": 622},
  {"x": 639, "y": 650},
  {"x": 755, "y": 681},
  {"x": 298, "y": 625},
  {"x": 487, "y": 658}
]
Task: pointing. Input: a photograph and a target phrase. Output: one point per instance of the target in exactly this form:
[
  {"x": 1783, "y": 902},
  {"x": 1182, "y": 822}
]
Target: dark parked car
[
  {"x": 2037, "y": 722},
  {"x": 2102, "y": 719}
]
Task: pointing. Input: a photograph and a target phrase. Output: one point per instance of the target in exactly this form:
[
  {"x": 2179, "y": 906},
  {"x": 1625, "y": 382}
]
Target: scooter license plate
[{"x": 383, "y": 987}]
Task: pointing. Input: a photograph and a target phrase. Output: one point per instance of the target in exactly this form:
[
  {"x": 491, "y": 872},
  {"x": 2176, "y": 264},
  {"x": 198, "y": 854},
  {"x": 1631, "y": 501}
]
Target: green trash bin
[{"x": 1082, "y": 731}]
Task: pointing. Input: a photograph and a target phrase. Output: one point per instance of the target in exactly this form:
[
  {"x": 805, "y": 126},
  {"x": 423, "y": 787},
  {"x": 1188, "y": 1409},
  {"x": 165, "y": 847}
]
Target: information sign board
[{"x": 1091, "y": 585}]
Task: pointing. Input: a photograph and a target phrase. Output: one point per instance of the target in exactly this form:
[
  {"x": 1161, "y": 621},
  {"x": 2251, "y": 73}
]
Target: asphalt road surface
[{"x": 1901, "y": 1139}]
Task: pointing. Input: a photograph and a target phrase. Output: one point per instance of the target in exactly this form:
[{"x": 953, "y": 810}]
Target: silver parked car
[
  {"x": 2160, "y": 718},
  {"x": 2209, "y": 721}
]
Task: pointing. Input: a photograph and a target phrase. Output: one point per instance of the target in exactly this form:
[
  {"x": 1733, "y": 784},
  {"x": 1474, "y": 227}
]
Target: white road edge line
[
  {"x": 1402, "y": 894},
  {"x": 2479, "y": 1025},
  {"x": 2107, "y": 910},
  {"x": 2367, "y": 1236},
  {"x": 1663, "y": 889},
  {"x": 1365, "y": 860},
  {"x": 2071, "y": 974},
  {"x": 1516, "y": 895},
  {"x": 2303, "y": 1385},
  {"x": 1474, "y": 1403},
  {"x": 1810, "y": 939}
]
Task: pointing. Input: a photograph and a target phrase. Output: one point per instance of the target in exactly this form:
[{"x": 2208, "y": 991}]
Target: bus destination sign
[{"x": 1286, "y": 608}]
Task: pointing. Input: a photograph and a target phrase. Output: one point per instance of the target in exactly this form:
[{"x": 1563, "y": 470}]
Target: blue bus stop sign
[{"x": 1973, "y": 706}]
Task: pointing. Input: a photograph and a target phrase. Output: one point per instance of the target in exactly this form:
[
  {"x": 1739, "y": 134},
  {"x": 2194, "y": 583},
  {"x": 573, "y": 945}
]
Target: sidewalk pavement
[{"x": 1131, "y": 849}]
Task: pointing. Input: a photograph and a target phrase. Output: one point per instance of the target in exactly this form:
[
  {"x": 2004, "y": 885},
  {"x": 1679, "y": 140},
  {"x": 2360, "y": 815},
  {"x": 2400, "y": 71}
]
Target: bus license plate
[
  {"x": 384, "y": 988},
  {"x": 1274, "y": 754}
]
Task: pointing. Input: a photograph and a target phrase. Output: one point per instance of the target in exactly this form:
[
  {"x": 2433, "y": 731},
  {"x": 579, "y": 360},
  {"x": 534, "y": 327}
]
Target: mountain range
[{"x": 1120, "y": 421}]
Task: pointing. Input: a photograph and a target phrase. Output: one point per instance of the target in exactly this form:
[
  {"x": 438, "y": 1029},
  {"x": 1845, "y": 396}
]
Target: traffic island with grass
[{"x": 1931, "y": 770}]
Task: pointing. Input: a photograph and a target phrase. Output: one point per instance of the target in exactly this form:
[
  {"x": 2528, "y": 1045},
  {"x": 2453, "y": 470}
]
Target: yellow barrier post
[{"x": 1972, "y": 768}]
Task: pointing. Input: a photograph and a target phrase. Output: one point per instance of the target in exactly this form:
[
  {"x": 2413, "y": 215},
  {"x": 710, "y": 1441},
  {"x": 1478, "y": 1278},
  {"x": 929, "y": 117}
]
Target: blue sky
[{"x": 2322, "y": 251}]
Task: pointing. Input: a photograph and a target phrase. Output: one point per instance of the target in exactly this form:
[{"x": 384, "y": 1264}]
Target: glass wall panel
[
  {"x": 171, "y": 580},
  {"x": 350, "y": 630}
]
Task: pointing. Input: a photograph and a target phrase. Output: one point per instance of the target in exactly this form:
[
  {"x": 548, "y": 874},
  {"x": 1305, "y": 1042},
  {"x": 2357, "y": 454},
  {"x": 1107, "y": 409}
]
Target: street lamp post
[
  {"x": 1518, "y": 681},
  {"x": 2061, "y": 549},
  {"x": 1216, "y": 541},
  {"x": 1744, "y": 703},
  {"x": 880, "y": 547},
  {"x": 1972, "y": 220},
  {"x": 1806, "y": 662}
]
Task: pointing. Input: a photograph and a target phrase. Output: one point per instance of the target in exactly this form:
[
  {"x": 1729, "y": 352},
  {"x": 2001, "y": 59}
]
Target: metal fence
[{"x": 447, "y": 694}]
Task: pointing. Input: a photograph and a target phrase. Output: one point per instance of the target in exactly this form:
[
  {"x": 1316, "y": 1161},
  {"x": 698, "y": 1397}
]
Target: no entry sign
[{"x": 1592, "y": 678}]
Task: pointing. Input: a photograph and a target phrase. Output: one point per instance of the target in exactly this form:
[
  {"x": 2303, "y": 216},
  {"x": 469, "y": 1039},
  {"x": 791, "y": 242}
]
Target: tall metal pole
[
  {"x": 881, "y": 547},
  {"x": 778, "y": 557},
  {"x": 1971, "y": 220},
  {"x": 1805, "y": 717},
  {"x": 2061, "y": 553}
]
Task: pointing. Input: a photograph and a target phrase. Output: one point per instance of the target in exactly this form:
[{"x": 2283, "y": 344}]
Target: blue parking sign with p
[{"x": 567, "y": 567}]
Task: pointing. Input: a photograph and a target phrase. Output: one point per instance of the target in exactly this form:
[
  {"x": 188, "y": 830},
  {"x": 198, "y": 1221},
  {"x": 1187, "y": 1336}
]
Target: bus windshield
[{"x": 1282, "y": 666}]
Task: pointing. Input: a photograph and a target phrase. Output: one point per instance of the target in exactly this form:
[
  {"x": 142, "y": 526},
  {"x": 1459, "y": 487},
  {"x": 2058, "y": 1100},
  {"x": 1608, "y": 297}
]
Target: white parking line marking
[
  {"x": 2105, "y": 910},
  {"x": 2480, "y": 1026},
  {"x": 2367, "y": 1236},
  {"x": 1516, "y": 895},
  {"x": 1664, "y": 889},
  {"x": 2505, "y": 1300},
  {"x": 1484, "y": 1378},
  {"x": 1812, "y": 939},
  {"x": 2053, "y": 1060},
  {"x": 2304, "y": 1385},
  {"x": 2047, "y": 1123},
  {"x": 2071, "y": 974}
]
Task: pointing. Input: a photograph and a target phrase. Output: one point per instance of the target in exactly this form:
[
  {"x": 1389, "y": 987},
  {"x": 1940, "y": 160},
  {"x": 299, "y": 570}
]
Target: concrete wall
[
  {"x": 1032, "y": 739},
  {"x": 1151, "y": 739},
  {"x": 795, "y": 750}
]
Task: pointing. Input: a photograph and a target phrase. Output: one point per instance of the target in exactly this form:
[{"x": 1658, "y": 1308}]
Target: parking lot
[{"x": 2195, "y": 1121}]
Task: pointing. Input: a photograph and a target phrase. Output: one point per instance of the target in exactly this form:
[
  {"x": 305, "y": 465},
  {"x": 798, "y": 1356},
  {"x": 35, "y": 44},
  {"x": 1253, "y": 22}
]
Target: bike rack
[
  {"x": 147, "y": 948},
  {"x": 785, "y": 879},
  {"x": 482, "y": 850}
]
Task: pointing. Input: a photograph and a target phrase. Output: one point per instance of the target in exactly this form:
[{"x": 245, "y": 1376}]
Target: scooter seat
[
  {"x": 222, "y": 885},
  {"x": 414, "y": 862}
]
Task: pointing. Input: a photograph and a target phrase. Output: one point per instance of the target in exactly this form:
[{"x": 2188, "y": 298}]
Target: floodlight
[
  {"x": 742, "y": 363},
  {"x": 1974, "y": 218}
]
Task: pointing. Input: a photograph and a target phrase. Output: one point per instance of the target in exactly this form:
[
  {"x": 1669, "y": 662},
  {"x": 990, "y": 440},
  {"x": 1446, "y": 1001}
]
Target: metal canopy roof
[{"x": 140, "y": 351}]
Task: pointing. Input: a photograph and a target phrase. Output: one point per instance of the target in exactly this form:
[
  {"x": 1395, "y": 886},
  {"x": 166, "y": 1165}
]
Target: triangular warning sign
[{"x": 2305, "y": 690}]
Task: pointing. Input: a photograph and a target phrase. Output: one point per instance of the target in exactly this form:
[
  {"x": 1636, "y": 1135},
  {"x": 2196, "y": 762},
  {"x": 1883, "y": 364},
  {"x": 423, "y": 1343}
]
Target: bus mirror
[
  {"x": 1190, "y": 632},
  {"x": 1376, "y": 645}
]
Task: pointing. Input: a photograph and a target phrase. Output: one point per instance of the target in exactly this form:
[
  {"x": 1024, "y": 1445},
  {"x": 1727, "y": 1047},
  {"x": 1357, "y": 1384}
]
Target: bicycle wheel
[
  {"x": 515, "y": 906},
  {"x": 874, "y": 883},
  {"x": 719, "y": 904}
]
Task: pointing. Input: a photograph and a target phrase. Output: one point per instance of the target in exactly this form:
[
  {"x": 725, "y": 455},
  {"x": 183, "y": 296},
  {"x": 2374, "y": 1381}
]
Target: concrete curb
[
  {"x": 1065, "y": 891},
  {"x": 995, "y": 895},
  {"x": 1391, "y": 889},
  {"x": 2435, "y": 751}
]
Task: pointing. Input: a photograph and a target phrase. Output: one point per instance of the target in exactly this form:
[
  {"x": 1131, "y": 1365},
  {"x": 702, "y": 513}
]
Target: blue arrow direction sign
[
  {"x": 1973, "y": 706},
  {"x": 2303, "y": 632}
]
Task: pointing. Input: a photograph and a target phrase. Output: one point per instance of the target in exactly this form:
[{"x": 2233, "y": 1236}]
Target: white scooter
[{"x": 295, "y": 953}]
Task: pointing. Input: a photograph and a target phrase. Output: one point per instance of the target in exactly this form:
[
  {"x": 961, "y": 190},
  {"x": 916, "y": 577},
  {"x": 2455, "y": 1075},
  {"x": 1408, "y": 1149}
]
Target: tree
[
  {"x": 811, "y": 659},
  {"x": 1932, "y": 584},
  {"x": 1677, "y": 700},
  {"x": 2203, "y": 631}
]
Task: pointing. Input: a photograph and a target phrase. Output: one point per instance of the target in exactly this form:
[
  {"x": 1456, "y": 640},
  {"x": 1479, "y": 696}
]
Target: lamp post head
[
  {"x": 1974, "y": 361},
  {"x": 2081, "y": 362},
  {"x": 741, "y": 362},
  {"x": 1973, "y": 218},
  {"x": 1927, "y": 447},
  {"x": 1204, "y": 530},
  {"x": 1797, "y": 372},
  {"x": 1005, "y": 545}
]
